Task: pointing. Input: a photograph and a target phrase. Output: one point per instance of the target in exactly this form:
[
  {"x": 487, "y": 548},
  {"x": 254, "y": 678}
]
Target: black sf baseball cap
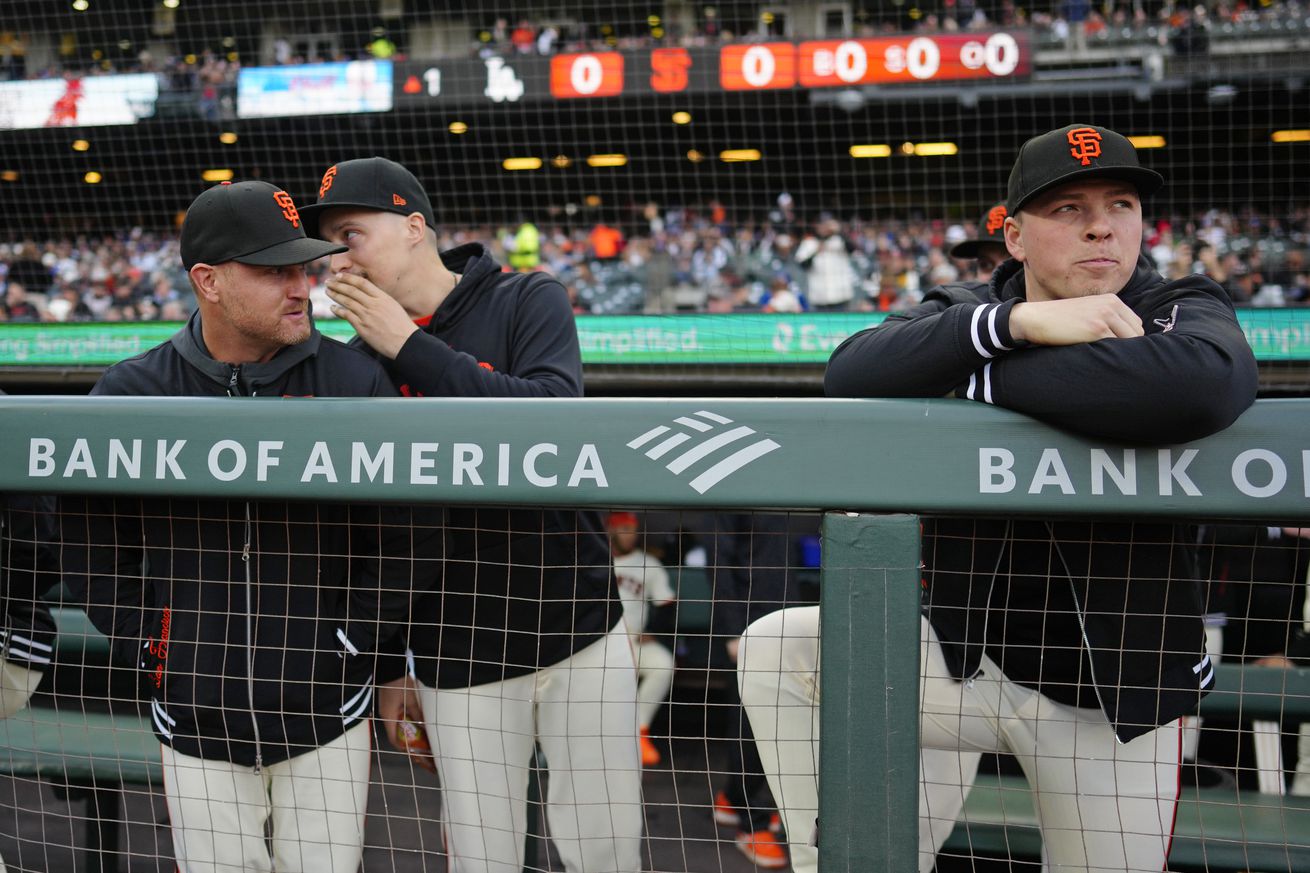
[
  {"x": 1079, "y": 151},
  {"x": 251, "y": 223},
  {"x": 369, "y": 183},
  {"x": 991, "y": 229}
]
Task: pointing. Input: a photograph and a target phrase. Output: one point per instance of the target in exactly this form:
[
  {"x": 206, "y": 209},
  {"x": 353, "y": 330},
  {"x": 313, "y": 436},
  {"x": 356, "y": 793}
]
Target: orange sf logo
[
  {"x": 995, "y": 219},
  {"x": 326, "y": 185},
  {"x": 1086, "y": 142},
  {"x": 289, "y": 211}
]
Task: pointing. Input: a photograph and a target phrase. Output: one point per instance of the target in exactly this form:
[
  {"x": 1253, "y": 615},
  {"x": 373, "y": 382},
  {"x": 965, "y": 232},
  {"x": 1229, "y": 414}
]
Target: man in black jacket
[
  {"x": 526, "y": 642},
  {"x": 1075, "y": 646},
  {"x": 254, "y": 624}
]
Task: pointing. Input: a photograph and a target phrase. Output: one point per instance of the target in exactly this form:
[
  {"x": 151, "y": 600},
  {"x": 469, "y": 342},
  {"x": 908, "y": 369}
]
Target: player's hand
[
  {"x": 397, "y": 704},
  {"x": 374, "y": 314},
  {"x": 1074, "y": 320}
]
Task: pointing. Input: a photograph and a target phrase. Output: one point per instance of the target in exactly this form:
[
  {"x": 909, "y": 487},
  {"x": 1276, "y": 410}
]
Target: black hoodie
[
  {"x": 253, "y": 623},
  {"x": 1099, "y": 614},
  {"x": 523, "y": 588}
]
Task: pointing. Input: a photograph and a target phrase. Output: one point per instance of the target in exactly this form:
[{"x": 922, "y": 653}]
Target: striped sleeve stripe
[
  {"x": 980, "y": 385},
  {"x": 983, "y": 333}
]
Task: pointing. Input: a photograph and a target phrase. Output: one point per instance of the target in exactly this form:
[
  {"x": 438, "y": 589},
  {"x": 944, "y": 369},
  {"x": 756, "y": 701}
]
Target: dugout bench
[
  {"x": 83, "y": 754},
  {"x": 1216, "y": 828},
  {"x": 93, "y": 756}
]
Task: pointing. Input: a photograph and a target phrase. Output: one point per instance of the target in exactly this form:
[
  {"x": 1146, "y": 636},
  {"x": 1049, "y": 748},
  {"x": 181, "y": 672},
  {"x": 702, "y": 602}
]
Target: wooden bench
[{"x": 1216, "y": 828}]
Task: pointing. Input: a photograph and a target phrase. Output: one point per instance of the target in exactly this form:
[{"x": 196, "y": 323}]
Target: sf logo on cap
[
  {"x": 326, "y": 185},
  {"x": 995, "y": 219},
  {"x": 1086, "y": 142},
  {"x": 289, "y": 211}
]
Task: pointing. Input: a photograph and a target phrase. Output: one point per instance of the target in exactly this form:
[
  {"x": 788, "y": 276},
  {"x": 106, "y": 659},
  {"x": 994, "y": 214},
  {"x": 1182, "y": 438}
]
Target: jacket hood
[
  {"x": 1008, "y": 280},
  {"x": 190, "y": 344},
  {"x": 475, "y": 264}
]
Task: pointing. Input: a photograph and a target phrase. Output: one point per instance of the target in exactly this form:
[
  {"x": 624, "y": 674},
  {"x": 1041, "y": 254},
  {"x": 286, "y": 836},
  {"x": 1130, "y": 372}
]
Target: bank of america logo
[{"x": 707, "y": 434}]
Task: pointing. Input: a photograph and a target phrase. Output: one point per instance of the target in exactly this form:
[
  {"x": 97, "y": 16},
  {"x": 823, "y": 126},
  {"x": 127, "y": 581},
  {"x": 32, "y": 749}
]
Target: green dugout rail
[{"x": 845, "y": 456}]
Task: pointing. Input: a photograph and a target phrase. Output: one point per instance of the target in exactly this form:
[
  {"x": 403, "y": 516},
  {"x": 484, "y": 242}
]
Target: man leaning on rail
[
  {"x": 1076, "y": 646},
  {"x": 253, "y": 624}
]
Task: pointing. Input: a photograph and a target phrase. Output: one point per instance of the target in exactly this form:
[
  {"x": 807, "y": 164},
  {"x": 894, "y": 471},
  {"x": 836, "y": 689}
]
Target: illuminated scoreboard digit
[
  {"x": 904, "y": 59},
  {"x": 764, "y": 66},
  {"x": 593, "y": 74}
]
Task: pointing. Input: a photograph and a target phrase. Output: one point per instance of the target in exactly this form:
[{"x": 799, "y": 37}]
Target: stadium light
[
  {"x": 458, "y": 127},
  {"x": 607, "y": 160},
  {"x": 935, "y": 149},
  {"x": 561, "y": 162},
  {"x": 682, "y": 118},
  {"x": 81, "y": 5},
  {"x": 1291, "y": 136},
  {"x": 592, "y": 200},
  {"x": 172, "y": 4},
  {"x": 737, "y": 156},
  {"x": 227, "y": 137},
  {"x": 9, "y": 176},
  {"x": 223, "y": 175},
  {"x": 92, "y": 178},
  {"x": 1147, "y": 142},
  {"x": 871, "y": 151},
  {"x": 695, "y": 156},
  {"x": 522, "y": 163},
  {"x": 81, "y": 145}
]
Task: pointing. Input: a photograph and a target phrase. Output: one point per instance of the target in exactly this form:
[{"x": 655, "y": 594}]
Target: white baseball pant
[
  {"x": 1102, "y": 805},
  {"x": 316, "y": 802},
  {"x": 583, "y": 712},
  {"x": 16, "y": 686},
  {"x": 654, "y": 678}
]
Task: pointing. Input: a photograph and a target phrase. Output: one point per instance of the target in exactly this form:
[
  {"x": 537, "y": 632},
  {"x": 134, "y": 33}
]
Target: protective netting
[{"x": 659, "y": 159}]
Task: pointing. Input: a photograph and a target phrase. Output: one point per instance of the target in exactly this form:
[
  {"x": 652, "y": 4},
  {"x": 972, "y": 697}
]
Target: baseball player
[
  {"x": 252, "y": 625},
  {"x": 987, "y": 247},
  {"x": 525, "y": 643},
  {"x": 1075, "y": 646},
  {"x": 643, "y": 582}
]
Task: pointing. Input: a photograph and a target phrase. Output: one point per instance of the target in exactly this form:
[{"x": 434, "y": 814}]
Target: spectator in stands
[
  {"x": 19, "y": 306},
  {"x": 826, "y": 256},
  {"x": 606, "y": 242},
  {"x": 643, "y": 582},
  {"x": 1078, "y": 330},
  {"x": 556, "y": 668},
  {"x": 525, "y": 247},
  {"x": 260, "y": 685}
]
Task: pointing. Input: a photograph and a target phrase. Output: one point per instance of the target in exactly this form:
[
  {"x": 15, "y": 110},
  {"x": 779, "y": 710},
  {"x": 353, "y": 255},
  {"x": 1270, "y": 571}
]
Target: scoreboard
[{"x": 885, "y": 61}]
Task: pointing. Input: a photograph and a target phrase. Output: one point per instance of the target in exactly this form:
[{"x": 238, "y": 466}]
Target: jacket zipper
[
  {"x": 234, "y": 390},
  {"x": 1082, "y": 629}
]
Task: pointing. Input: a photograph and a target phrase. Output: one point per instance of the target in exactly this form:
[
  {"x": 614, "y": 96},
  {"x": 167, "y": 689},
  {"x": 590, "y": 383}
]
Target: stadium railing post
[{"x": 869, "y": 650}]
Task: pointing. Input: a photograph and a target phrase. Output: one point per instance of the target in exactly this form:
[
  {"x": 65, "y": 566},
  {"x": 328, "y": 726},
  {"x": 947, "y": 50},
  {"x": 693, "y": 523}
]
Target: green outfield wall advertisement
[
  {"x": 903, "y": 455},
  {"x": 1275, "y": 334}
]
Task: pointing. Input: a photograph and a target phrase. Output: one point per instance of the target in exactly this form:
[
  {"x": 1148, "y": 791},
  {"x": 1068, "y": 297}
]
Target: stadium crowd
[
  {"x": 672, "y": 260},
  {"x": 1184, "y": 26}
]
